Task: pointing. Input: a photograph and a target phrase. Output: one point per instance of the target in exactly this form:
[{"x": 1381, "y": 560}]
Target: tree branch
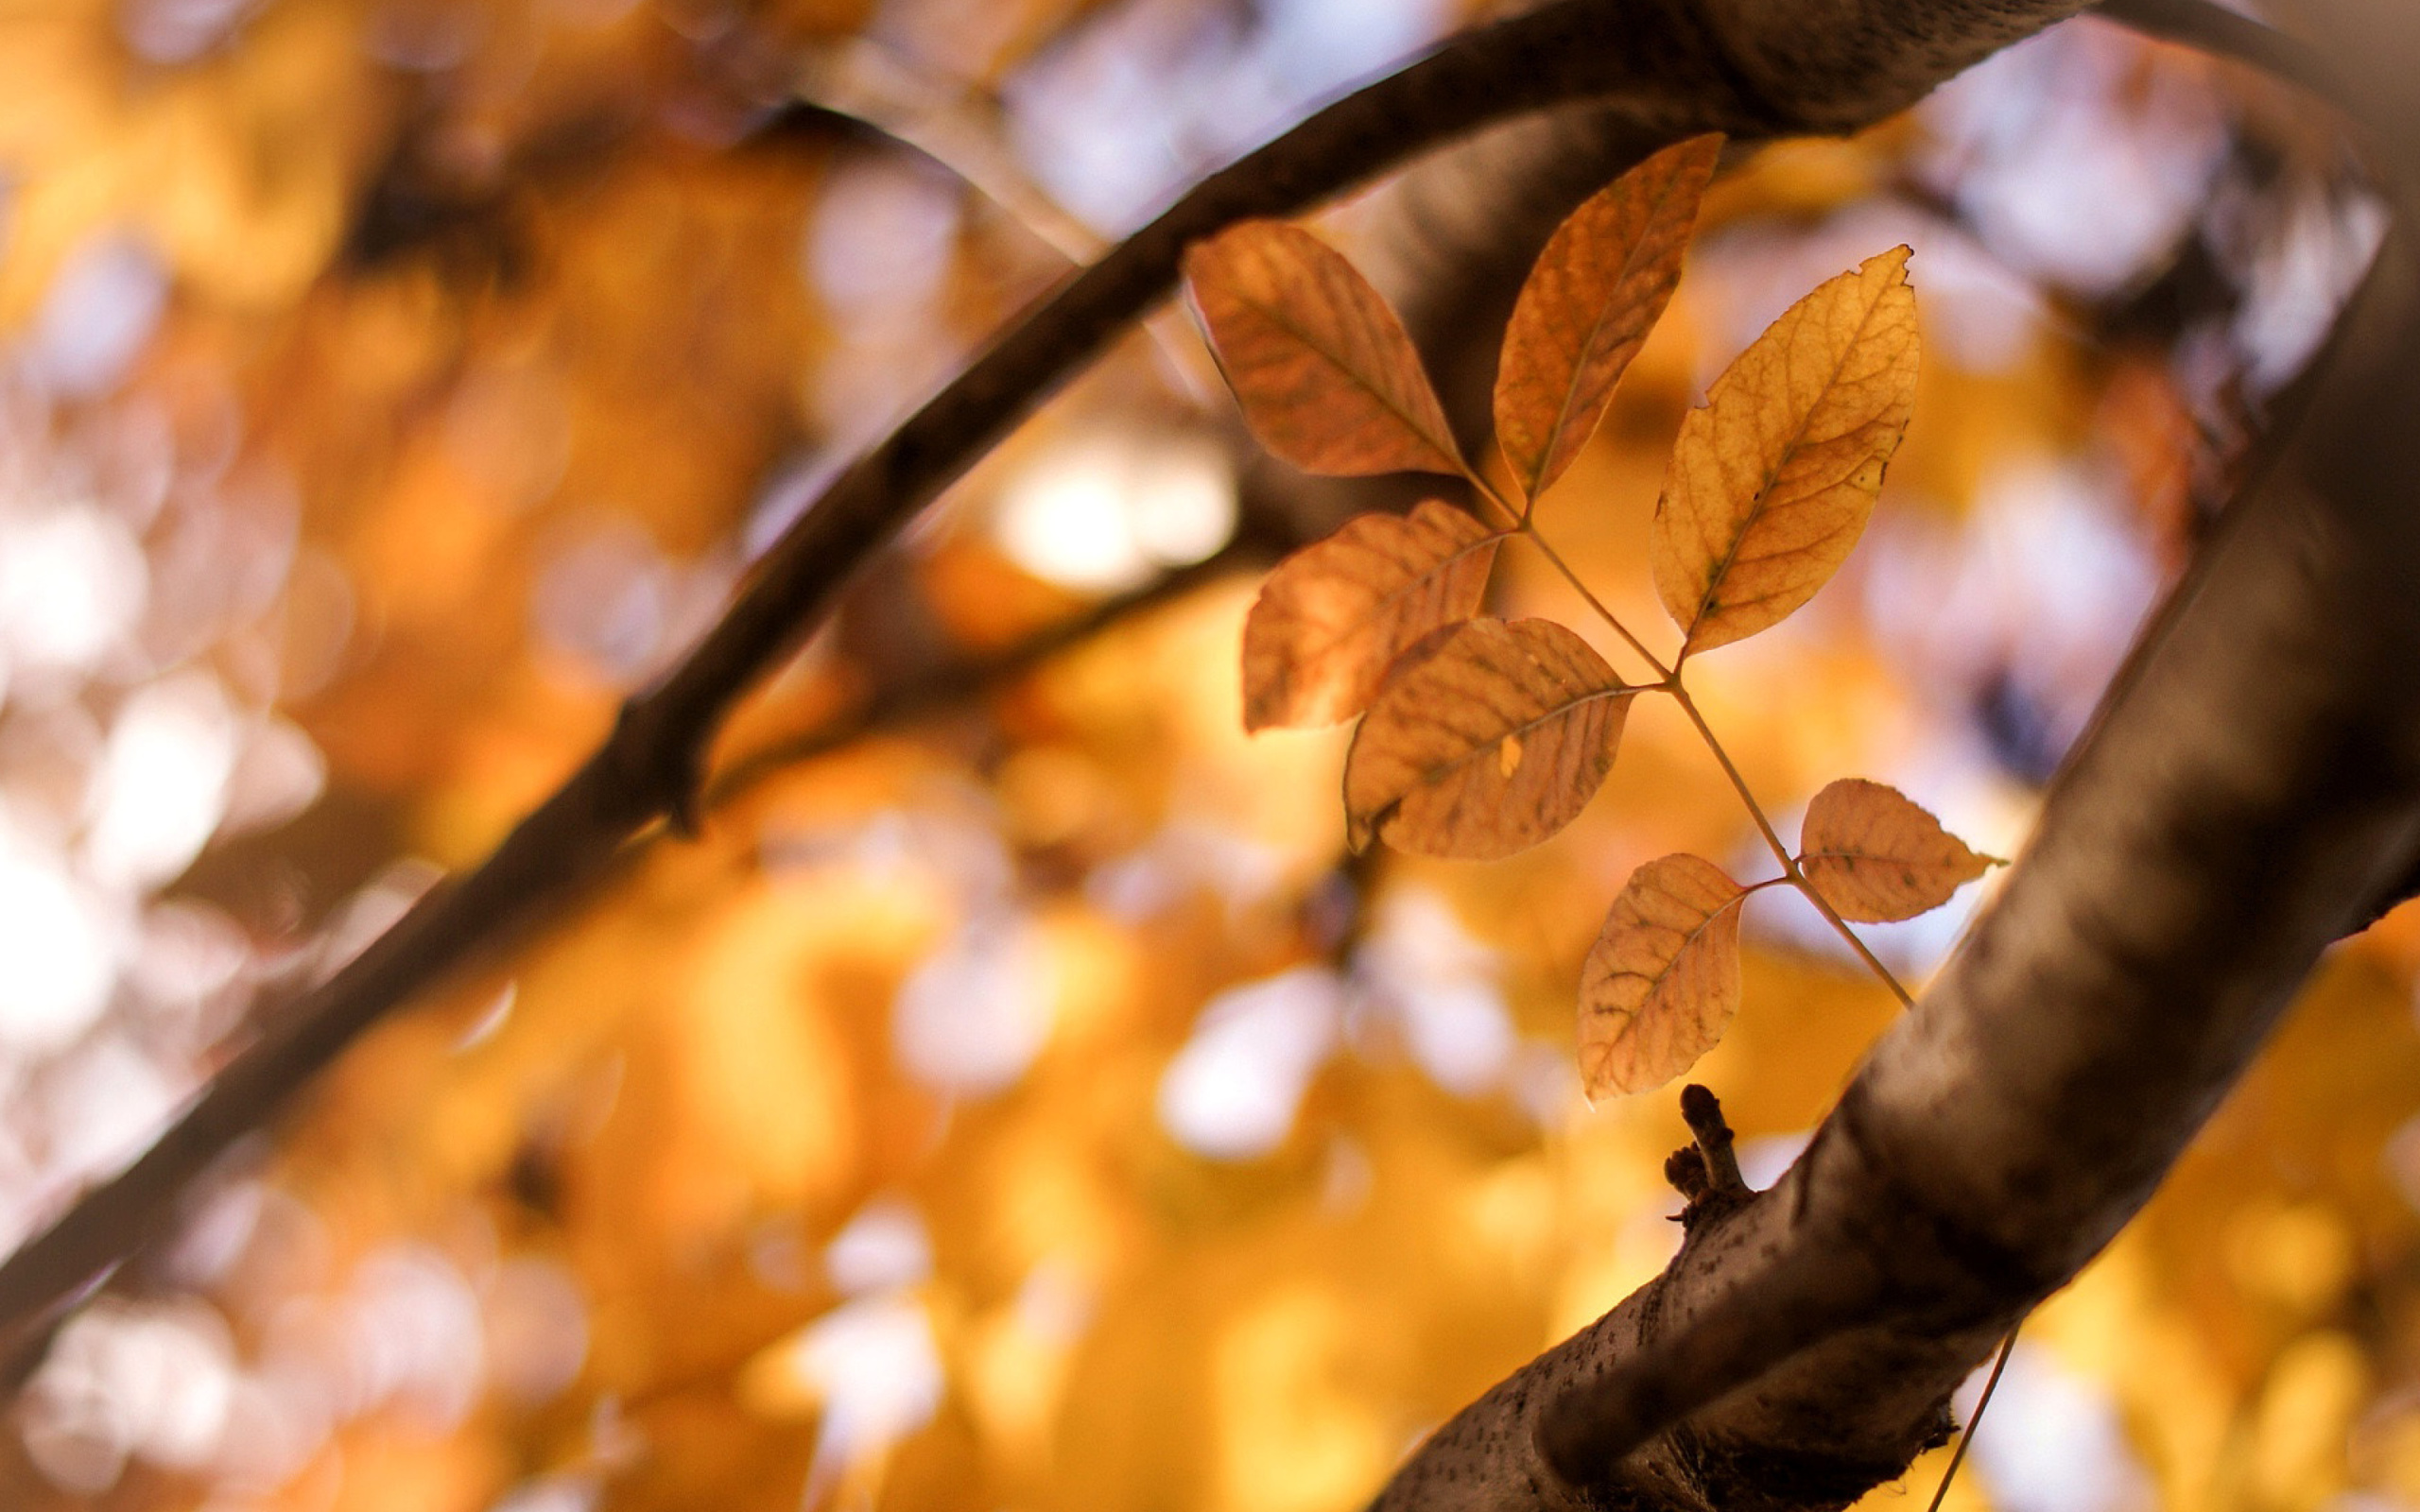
[
  {"x": 1753, "y": 68},
  {"x": 2223, "y": 33},
  {"x": 2252, "y": 783},
  {"x": 957, "y": 682}
]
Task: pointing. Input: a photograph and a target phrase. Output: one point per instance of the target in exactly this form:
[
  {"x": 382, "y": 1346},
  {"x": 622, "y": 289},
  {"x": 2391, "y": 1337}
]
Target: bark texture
[
  {"x": 2249, "y": 791},
  {"x": 1671, "y": 68}
]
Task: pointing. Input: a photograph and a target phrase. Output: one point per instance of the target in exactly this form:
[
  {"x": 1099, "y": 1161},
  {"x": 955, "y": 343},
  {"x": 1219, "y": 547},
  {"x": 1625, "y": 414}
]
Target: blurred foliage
[{"x": 1031, "y": 1106}]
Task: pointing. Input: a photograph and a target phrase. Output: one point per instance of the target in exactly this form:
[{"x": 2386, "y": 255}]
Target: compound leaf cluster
[{"x": 1480, "y": 737}]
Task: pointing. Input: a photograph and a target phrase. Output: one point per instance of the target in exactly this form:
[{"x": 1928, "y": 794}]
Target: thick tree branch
[
  {"x": 1754, "y": 68},
  {"x": 2251, "y": 786}
]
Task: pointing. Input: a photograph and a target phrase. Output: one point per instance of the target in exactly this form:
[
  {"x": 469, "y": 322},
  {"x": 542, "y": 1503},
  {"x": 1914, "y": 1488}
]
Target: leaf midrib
[
  {"x": 1276, "y": 316},
  {"x": 1687, "y": 940},
  {"x": 1428, "y": 774},
  {"x": 1533, "y": 484},
  {"x": 1493, "y": 538},
  {"x": 1773, "y": 474}
]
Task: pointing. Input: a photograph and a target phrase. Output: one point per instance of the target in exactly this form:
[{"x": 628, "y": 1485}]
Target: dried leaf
[
  {"x": 1486, "y": 745},
  {"x": 1773, "y": 481},
  {"x": 1877, "y": 857},
  {"x": 1604, "y": 277},
  {"x": 1336, "y": 614},
  {"x": 1325, "y": 374},
  {"x": 1662, "y": 981}
]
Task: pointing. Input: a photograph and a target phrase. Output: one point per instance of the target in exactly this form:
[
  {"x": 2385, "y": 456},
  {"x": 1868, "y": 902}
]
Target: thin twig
[
  {"x": 959, "y": 680},
  {"x": 1594, "y": 604},
  {"x": 650, "y": 767},
  {"x": 1671, "y": 683},
  {"x": 2135, "y": 796},
  {"x": 864, "y": 83},
  {"x": 1781, "y": 849},
  {"x": 890, "y": 707},
  {"x": 1966, "y": 1435},
  {"x": 2224, "y": 33},
  {"x": 1521, "y": 524}
]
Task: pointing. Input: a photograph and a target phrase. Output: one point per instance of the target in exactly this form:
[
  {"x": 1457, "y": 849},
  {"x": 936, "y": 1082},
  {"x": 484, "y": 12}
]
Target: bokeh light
[{"x": 1027, "y": 1101}]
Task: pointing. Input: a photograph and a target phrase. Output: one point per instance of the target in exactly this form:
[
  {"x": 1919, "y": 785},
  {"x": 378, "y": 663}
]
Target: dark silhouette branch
[
  {"x": 2253, "y": 782},
  {"x": 955, "y": 682},
  {"x": 2223, "y": 33},
  {"x": 2250, "y": 788},
  {"x": 948, "y": 685},
  {"x": 1753, "y": 68}
]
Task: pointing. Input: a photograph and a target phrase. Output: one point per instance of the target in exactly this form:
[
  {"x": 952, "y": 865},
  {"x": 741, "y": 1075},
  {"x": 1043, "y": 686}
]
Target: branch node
[
  {"x": 1720, "y": 1166},
  {"x": 1685, "y": 1169}
]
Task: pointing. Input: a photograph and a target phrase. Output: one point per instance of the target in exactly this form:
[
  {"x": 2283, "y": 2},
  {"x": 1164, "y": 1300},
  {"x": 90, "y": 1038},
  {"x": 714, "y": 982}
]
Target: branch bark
[
  {"x": 2253, "y": 782},
  {"x": 1671, "y": 68},
  {"x": 2250, "y": 788}
]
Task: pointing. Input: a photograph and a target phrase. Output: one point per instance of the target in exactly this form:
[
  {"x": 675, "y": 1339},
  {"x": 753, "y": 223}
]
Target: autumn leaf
[
  {"x": 1327, "y": 378},
  {"x": 1662, "y": 982},
  {"x": 1773, "y": 481},
  {"x": 1604, "y": 277},
  {"x": 1486, "y": 745},
  {"x": 1335, "y": 614},
  {"x": 1877, "y": 857}
]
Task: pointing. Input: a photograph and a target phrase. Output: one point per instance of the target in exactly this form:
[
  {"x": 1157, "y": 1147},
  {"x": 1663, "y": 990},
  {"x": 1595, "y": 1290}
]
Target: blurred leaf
[
  {"x": 1322, "y": 368},
  {"x": 1877, "y": 857},
  {"x": 1605, "y": 275},
  {"x": 1771, "y": 482},
  {"x": 1662, "y": 981},
  {"x": 1335, "y": 614},
  {"x": 502, "y": 335},
  {"x": 1486, "y": 745}
]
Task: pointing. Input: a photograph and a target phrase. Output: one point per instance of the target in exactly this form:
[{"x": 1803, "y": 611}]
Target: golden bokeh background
[{"x": 1027, "y": 1103}]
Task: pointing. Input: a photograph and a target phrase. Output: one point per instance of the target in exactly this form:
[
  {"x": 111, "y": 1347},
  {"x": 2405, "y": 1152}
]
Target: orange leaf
[
  {"x": 1486, "y": 745},
  {"x": 1336, "y": 614},
  {"x": 1325, "y": 374},
  {"x": 1773, "y": 481},
  {"x": 1877, "y": 857},
  {"x": 1662, "y": 982},
  {"x": 1605, "y": 275}
]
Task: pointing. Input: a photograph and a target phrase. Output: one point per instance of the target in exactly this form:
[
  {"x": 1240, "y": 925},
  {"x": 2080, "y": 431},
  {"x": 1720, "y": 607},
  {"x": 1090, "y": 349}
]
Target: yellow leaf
[
  {"x": 1336, "y": 614},
  {"x": 1326, "y": 376},
  {"x": 1489, "y": 743},
  {"x": 1662, "y": 982},
  {"x": 1773, "y": 481},
  {"x": 1877, "y": 857},
  {"x": 1605, "y": 275}
]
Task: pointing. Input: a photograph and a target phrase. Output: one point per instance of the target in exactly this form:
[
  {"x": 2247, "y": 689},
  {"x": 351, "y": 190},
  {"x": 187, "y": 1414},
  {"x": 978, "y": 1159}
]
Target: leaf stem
[
  {"x": 1739, "y": 783},
  {"x": 1663, "y": 673},
  {"x": 1781, "y": 851},
  {"x": 1966, "y": 1435},
  {"x": 1487, "y": 491},
  {"x": 1669, "y": 680},
  {"x": 1523, "y": 526}
]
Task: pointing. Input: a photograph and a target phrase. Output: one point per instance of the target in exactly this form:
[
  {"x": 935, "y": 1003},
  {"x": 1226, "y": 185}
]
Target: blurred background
[{"x": 1017, "y": 1099}]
